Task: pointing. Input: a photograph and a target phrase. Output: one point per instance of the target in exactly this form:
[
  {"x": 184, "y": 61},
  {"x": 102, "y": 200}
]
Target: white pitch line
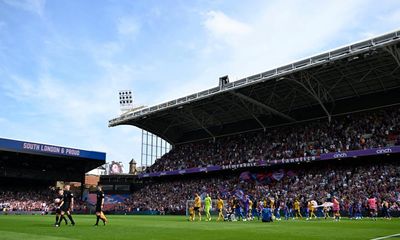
[{"x": 389, "y": 236}]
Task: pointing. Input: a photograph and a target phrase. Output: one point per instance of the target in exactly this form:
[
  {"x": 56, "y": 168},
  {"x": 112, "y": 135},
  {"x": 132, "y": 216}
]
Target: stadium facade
[{"x": 23, "y": 162}]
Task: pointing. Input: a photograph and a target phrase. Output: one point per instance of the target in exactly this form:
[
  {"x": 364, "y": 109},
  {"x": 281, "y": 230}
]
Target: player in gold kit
[
  {"x": 220, "y": 207},
  {"x": 197, "y": 206}
]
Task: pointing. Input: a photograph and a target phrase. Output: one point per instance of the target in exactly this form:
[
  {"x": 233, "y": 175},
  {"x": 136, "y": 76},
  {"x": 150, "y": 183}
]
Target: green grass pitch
[{"x": 177, "y": 227}]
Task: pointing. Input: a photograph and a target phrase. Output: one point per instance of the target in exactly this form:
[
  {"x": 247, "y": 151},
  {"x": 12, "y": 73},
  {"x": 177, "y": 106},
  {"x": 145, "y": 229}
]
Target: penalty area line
[{"x": 385, "y": 237}]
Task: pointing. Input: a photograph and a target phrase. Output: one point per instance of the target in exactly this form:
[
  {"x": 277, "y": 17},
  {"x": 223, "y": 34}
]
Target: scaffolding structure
[{"x": 153, "y": 147}]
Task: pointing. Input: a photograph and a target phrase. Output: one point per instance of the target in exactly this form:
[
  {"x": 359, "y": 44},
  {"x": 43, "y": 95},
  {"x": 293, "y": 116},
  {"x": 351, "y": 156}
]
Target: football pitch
[{"x": 177, "y": 227}]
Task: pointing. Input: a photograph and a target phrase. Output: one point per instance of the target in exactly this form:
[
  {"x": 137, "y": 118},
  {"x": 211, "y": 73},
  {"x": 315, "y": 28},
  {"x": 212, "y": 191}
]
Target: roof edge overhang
[{"x": 343, "y": 52}]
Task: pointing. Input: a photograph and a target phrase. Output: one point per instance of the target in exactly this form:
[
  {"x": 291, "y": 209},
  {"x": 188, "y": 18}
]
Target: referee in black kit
[
  {"x": 99, "y": 206},
  {"x": 67, "y": 205}
]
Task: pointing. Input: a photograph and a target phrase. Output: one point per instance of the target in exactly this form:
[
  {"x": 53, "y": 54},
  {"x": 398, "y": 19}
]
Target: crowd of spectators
[
  {"x": 25, "y": 200},
  {"x": 350, "y": 184},
  {"x": 364, "y": 130},
  {"x": 40, "y": 200},
  {"x": 318, "y": 181},
  {"x": 171, "y": 196}
]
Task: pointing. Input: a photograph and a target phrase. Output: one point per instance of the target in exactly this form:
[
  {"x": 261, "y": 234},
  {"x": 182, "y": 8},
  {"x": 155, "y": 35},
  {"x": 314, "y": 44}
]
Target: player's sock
[
  {"x": 60, "y": 220},
  {"x": 72, "y": 220},
  {"x": 65, "y": 220},
  {"x": 57, "y": 218},
  {"x": 103, "y": 217},
  {"x": 97, "y": 220}
]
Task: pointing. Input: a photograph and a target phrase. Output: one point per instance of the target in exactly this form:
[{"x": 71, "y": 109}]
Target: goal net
[{"x": 214, "y": 210}]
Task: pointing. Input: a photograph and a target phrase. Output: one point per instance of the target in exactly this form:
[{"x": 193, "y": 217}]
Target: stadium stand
[
  {"x": 17, "y": 195},
  {"x": 329, "y": 123},
  {"x": 350, "y": 132},
  {"x": 29, "y": 173},
  {"x": 314, "y": 94},
  {"x": 352, "y": 182},
  {"x": 20, "y": 198}
]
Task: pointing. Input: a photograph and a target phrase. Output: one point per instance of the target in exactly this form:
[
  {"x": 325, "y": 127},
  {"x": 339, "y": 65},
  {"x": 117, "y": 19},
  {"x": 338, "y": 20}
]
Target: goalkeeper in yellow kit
[{"x": 207, "y": 207}]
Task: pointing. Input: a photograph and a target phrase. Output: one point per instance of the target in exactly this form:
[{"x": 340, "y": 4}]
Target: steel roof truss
[{"x": 262, "y": 105}]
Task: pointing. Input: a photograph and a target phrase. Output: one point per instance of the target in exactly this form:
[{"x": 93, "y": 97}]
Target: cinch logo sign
[
  {"x": 386, "y": 150},
  {"x": 340, "y": 155}
]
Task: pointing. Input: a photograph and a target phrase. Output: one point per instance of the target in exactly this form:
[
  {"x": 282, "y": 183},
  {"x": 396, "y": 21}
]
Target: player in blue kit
[
  {"x": 246, "y": 204},
  {"x": 238, "y": 208},
  {"x": 266, "y": 215}
]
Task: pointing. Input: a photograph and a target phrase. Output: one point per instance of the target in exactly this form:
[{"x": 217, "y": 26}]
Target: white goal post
[{"x": 213, "y": 211}]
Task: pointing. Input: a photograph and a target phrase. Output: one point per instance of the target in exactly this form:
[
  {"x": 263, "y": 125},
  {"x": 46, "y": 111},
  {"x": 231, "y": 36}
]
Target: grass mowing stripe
[
  {"x": 6, "y": 235},
  {"x": 385, "y": 237},
  {"x": 177, "y": 227}
]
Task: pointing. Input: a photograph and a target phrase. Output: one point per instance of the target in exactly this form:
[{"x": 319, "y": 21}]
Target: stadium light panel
[{"x": 125, "y": 100}]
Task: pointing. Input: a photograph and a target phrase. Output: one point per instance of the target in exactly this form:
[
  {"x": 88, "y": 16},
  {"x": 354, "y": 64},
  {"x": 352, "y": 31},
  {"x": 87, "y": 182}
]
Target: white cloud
[
  {"x": 221, "y": 26},
  {"x": 276, "y": 33},
  {"x": 18, "y": 87},
  {"x": 128, "y": 27},
  {"x": 34, "y": 6}
]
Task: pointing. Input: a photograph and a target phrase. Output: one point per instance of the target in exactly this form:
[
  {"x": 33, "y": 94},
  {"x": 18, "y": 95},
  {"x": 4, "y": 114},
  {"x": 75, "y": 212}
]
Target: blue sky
[{"x": 62, "y": 62}]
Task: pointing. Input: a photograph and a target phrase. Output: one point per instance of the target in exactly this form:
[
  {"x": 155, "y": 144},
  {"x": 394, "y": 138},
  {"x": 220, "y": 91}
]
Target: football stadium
[{"x": 307, "y": 150}]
